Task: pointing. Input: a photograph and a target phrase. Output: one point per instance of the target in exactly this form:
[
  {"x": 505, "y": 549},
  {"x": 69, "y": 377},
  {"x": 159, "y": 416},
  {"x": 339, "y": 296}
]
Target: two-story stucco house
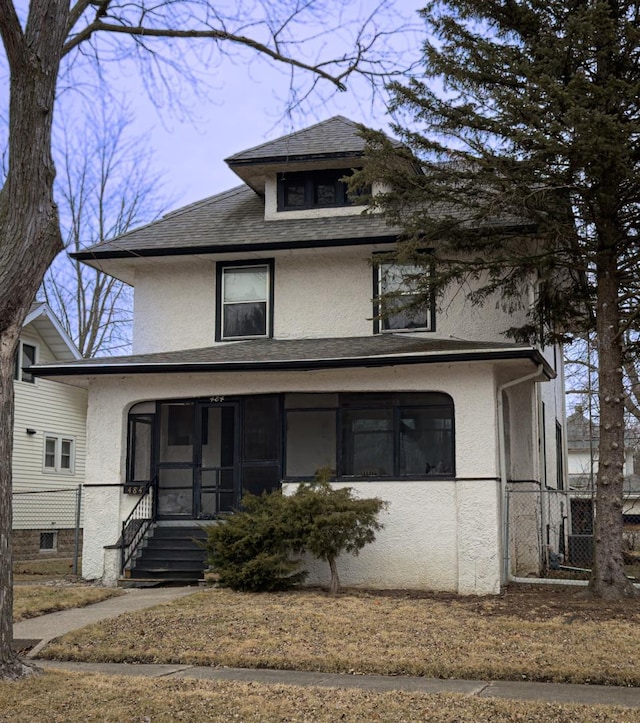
[
  {"x": 259, "y": 356},
  {"x": 48, "y": 442}
]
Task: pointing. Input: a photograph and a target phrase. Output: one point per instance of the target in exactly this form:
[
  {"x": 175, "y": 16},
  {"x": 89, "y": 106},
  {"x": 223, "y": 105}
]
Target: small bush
[
  {"x": 252, "y": 550},
  {"x": 258, "y": 548}
]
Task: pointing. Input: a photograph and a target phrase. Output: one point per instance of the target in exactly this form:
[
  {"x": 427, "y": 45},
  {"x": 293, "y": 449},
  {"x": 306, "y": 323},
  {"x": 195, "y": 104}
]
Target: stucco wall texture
[
  {"x": 318, "y": 293},
  {"x": 438, "y": 535}
]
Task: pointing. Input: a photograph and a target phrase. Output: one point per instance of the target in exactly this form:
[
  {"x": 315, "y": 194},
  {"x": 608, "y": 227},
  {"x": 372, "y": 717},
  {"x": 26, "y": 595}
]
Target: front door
[
  {"x": 216, "y": 465},
  {"x": 197, "y": 459}
]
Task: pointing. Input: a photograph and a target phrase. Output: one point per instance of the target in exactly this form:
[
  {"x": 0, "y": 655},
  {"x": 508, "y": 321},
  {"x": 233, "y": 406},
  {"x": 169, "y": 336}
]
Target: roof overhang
[
  {"x": 45, "y": 322},
  {"x": 180, "y": 363}
]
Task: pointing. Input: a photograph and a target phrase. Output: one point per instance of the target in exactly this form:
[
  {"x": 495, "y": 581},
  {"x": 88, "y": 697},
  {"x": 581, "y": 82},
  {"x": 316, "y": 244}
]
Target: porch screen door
[
  {"x": 216, "y": 460},
  {"x": 175, "y": 460},
  {"x": 198, "y": 459}
]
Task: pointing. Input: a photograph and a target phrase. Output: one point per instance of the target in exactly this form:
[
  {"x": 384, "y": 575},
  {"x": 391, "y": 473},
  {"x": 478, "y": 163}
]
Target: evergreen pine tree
[{"x": 521, "y": 166}]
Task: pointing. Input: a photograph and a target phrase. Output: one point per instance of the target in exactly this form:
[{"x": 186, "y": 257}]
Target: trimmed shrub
[{"x": 252, "y": 549}]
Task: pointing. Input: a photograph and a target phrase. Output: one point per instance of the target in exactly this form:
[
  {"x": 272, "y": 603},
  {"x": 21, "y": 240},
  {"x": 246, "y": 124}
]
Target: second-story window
[
  {"x": 312, "y": 189},
  {"x": 244, "y": 300},
  {"x": 25, "y": 357},
  {"x": 400, "y": 304}
]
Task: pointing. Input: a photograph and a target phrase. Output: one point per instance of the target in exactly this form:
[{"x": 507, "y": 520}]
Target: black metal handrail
[{"x": 135, "y": 527}]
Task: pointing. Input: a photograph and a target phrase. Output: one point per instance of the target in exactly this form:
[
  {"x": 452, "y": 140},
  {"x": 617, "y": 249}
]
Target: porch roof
[{"x": 301, "y": 354}]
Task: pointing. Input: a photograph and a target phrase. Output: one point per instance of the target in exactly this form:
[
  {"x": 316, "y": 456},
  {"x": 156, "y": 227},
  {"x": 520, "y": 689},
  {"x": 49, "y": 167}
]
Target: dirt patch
[{"x": 527, "y": 602}]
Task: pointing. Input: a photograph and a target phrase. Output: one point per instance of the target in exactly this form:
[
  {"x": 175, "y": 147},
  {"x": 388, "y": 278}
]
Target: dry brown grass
[
  {"x": 29, "y": 601},
  {"x": 60, "y": 697},
  {"x": 33, "y": 570},
  {"x": 531, "y": 635}
]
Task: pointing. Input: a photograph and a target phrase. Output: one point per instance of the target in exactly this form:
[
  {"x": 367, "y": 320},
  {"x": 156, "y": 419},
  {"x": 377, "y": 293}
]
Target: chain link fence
[
  {"x": 48, "y": 524},
  {"x": 550, "y": 533}
]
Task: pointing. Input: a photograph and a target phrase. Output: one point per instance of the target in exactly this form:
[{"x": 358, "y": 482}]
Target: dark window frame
[
  {"x": 375, "y": 401},
  {"x": 377, "y": 304},
  {"x": 221, "y": 266},
  {"x": 18, "y": 373},
  {"x": 311, "y": 180},
  {"x": 133, "y": 419},
  {"x": 559, "y": 457}
]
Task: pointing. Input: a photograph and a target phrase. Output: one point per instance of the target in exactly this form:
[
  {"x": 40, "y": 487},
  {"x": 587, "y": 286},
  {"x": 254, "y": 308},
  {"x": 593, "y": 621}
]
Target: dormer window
[{"x": 312, "y": 189}]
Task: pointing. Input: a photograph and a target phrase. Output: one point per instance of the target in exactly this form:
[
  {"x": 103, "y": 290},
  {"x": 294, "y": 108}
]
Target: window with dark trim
[
  {"x": 244, "y": 308},
  {"x": 140, "y": 448},
  {"x": 25, "y": 357},
  {"x": 402, "y": 435},
  {"x": 559, "y": 457},
  {"x": 302, "y": 190},
  {"x": 399, "y": 303}
]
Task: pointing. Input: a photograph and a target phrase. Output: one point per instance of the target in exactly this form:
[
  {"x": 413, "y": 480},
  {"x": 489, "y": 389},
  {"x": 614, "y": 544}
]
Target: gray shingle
[
  {"x": 381, "y": 349},
  {"x": 232, "y": 219},
  {"x": 335, "y": 136}
]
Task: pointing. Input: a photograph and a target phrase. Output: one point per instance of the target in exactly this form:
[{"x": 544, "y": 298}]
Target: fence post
[{"x": 76, "y": 541}]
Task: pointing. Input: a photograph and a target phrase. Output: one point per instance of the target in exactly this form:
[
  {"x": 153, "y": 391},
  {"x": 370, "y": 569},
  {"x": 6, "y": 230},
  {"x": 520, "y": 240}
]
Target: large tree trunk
[
  {"x": 608, "y": 579},
  {"x": 29, "y": 237}
]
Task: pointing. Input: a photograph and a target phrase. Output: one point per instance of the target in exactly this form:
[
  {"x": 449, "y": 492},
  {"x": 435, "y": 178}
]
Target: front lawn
[
  {"x": 61, "y": 697},
  {"x": 29, "y": 601},
  {"x": 528, "y": 633}
]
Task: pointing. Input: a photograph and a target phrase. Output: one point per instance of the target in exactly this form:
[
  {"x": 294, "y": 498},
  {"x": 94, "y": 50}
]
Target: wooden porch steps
[{"x": 171, "y": 555}]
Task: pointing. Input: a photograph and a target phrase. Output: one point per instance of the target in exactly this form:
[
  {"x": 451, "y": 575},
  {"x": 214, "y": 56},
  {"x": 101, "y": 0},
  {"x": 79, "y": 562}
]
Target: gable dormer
[{"x": 300, "y": 175}]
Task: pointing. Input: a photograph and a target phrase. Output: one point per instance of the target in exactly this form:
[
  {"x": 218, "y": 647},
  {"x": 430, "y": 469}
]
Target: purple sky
[{"x": 246, "y": 107}]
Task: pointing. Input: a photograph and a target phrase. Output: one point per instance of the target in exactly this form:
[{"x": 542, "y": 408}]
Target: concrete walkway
[{"x": 39, "y": 631}]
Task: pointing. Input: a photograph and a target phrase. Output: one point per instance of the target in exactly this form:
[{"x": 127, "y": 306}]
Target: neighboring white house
[
  {"x": 583, "y": 438},
  {"x": 257, "y": 358},
  {"x": 49, "y": 441}
]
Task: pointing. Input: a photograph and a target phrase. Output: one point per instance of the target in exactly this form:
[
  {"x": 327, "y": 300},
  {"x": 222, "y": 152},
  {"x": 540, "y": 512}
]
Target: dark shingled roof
[
  {"x": 278, "y": 354},
  {"x": 234, "y": 221},
  {"x": 337, "y": 136}
]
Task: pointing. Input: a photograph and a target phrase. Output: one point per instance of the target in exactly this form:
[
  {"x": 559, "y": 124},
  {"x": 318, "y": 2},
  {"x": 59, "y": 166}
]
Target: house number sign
[
  {"x": 217, "y": 399},
  {"x": 133, "y": 489}
]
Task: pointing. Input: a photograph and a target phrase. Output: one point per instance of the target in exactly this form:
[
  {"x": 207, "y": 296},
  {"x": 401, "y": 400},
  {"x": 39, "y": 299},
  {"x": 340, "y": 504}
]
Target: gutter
[
  {"x": 502, "y": 461},
  {"x": 164, "y": 367}
]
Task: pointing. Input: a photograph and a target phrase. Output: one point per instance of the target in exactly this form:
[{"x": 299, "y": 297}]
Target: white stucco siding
[
  {"x": 479, "y": 537},
  {"x": 50, "y": 409},
  {"x": 323, "y": 295},
  {"x": 438, "y": 535},
  {"x": 174, "y": 306},
  {"x": 318, "y": 293},
  {"x": 424, "y": 518}
]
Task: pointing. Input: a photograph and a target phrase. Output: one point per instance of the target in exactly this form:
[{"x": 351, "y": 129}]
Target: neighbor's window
[
  {"x": 244, "y": 301},
  {"x": 25, "y": 356},
  {"x": 370, "y": 435},
  {"x": 59, "y": 453},
  {"x": 396, "y": 289},
  {"x": 48, "y": 541},
  {"x": 313, "y": 189}
]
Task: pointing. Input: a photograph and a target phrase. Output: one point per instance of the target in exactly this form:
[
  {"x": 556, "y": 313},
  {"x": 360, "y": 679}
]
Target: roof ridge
[{"x": 292, "y": 135}]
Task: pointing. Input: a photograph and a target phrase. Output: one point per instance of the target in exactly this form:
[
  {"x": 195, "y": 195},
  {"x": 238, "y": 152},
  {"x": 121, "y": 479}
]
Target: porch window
[
  {"x": 176, "y": 432},
  {"x": 140, "y": 440},
  {"x": 399, "y": 304},
  {"x": 244, "y": 301},
  {"x": 404, "y": 435}
]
